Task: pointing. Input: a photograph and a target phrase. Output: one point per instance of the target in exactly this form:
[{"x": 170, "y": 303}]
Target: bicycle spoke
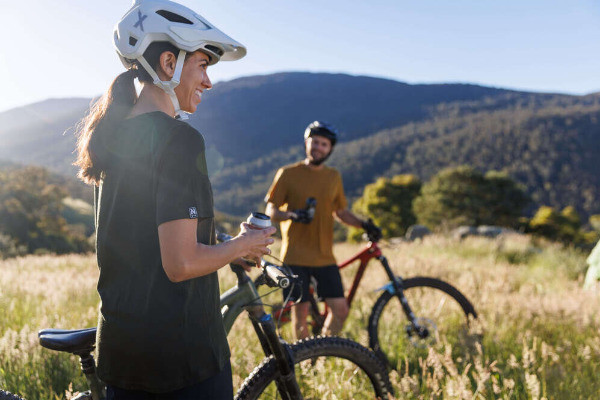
[{"x": 440, "y": 316}]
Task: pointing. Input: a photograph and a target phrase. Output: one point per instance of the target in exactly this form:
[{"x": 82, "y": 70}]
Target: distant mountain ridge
[
  {"x": 42, "y": 133},
  {"x": 270, "y": 112},
  {"x": 253, "y": 125},
  {"x": 251, "y": 116}
]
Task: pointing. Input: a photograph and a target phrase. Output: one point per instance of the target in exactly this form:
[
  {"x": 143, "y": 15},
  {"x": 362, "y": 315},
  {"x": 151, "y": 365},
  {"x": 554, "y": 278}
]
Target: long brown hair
[{"x": 107, "y": 112}]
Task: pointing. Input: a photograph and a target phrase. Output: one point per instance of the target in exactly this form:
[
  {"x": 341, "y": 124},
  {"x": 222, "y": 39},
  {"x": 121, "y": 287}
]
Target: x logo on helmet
[{"x": 140, "y": 22}]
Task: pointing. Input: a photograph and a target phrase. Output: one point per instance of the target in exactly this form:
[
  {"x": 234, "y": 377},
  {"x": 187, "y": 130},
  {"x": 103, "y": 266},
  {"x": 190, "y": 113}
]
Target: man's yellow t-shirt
[{"x": 309, "y": 245}]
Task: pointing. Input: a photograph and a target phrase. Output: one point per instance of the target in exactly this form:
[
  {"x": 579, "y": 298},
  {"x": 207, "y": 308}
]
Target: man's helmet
[
  {"x": 151, "y": 21},
  {"x": 321, "y": 128}
]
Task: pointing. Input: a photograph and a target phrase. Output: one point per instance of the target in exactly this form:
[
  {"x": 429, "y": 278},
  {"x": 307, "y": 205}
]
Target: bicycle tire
[
  {"x": 461, "y": 308},
  {"x": 311, "y": 350},
  {"x": 9, "y": 396}
]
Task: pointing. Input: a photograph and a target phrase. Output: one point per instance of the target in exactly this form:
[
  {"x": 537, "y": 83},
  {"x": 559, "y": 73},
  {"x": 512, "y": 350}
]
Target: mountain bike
[
  {"x": 430, "y": 307},
  {"x": 315, "y": 368}
]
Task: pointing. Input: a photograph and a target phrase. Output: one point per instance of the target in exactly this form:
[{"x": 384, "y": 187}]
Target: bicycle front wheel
[
  {"x": 325, "y": 368},
  {"x": 439, "y": 307}
]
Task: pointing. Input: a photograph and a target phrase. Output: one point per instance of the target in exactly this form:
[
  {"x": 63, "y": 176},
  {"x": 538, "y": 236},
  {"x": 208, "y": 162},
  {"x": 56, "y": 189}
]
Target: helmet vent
[
  {"x": 168, "y": 15},
  {"x": 132, "y": 41},
  {"x": 214, "y": 49}
]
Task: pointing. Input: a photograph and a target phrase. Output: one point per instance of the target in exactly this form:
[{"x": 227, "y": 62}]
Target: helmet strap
[{"x": 169, "y": 86}]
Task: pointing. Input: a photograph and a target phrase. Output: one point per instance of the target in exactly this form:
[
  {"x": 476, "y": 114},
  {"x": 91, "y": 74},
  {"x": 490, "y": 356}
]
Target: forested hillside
[
  {"x": 252, "y": 116},
  {"x": 253, "y": 125},
  {"x": 249, "y": 117},
  {"x": 551, "y": 148}
]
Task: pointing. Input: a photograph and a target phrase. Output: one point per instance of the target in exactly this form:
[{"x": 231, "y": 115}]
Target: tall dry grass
[{"x": 537, "y": 335}]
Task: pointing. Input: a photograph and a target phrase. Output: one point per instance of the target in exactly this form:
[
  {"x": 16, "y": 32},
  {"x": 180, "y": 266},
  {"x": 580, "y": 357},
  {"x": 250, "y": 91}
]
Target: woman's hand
[
  {"x": 244, "y": 264},
  {"x": 255, "y": 241}
]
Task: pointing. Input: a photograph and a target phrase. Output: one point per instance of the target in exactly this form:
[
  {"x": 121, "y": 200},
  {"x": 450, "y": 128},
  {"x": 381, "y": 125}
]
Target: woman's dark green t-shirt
[{"x": 153, "y": 334}]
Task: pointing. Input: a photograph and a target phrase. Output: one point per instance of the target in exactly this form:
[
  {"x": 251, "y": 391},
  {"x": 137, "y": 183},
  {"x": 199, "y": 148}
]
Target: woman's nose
[{"x": 207, "y": 83}]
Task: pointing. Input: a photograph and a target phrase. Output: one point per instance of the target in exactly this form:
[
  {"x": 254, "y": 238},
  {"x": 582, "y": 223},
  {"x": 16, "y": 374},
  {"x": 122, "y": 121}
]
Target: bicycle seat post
[
  {"x": 80, "y": 342},
  {"x": 88, "y": 367}
]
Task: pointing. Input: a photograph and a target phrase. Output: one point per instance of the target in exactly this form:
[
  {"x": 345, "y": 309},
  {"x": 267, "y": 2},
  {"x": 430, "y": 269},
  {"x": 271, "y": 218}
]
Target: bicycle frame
[
  {"x": 395, "y": 286},
  {"x": 369, "y": 252},
  {"x": 244, "y": 296},
  {"x": 235, "y": 300}
]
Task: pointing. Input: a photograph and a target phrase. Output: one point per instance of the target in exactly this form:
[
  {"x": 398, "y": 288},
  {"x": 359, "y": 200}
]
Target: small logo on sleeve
[{"x": 193, "y": 212}]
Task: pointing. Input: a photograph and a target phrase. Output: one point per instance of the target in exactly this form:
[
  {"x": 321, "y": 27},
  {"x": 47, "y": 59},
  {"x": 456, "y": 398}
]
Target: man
[{"x": 307, "y": 245}]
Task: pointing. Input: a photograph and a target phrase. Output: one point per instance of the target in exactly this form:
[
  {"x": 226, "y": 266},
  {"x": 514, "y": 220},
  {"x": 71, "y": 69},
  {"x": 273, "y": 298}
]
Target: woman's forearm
[
  {"x": 202, "y": 260},
  {"x": 184, "y": 258}
]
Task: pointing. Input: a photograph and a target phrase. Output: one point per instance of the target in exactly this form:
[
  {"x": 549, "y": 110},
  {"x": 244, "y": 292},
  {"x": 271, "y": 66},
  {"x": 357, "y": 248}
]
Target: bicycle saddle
[{"x": 77, "y": 341}]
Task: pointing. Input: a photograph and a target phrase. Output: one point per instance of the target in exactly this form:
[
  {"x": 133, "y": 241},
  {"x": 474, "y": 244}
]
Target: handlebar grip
[{"x": 276, "y": 275}]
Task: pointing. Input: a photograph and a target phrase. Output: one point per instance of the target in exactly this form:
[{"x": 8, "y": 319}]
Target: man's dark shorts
[{"x": 328, "y": 283}]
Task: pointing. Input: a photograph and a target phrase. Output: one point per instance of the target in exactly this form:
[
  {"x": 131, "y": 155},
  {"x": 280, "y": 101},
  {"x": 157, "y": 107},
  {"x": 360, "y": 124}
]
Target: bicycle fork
[
  {"x": 396, "y": 287},
  {"x": 263, "y": 324}
]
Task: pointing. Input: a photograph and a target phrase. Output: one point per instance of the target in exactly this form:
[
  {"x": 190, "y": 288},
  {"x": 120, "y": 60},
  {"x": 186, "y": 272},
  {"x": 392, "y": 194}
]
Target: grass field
[{"x": 537, "y": 334}]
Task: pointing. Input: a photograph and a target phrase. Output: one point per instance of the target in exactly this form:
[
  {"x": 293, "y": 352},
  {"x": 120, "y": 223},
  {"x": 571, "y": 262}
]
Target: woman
[{"x": 160, "y": 329}]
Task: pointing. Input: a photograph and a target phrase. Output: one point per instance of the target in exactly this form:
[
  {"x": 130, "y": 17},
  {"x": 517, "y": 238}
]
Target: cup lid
[{"x": 259, "y": 219}]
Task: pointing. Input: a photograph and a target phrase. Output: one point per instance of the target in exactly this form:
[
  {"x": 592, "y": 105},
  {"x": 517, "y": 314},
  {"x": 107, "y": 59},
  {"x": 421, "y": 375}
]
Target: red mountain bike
[{"x": 431, "y": 307}]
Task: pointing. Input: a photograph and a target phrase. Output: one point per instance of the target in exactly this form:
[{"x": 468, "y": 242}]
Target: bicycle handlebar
[
  {"x": 277, "y": 276},
  {"x": 306, "y": 214},
  {"x": 274, "y": 276}
]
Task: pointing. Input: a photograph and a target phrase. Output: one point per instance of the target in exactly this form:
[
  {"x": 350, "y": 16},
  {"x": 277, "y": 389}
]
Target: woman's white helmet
[{"x": 151, "y": 21}]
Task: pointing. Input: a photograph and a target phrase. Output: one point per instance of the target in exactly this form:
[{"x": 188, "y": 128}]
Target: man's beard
[{"x": 317, "y": 162}]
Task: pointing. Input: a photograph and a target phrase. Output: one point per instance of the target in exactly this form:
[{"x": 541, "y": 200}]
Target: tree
[
  {"x": 30, "y": 212},
  {"x": 563, "y": 226},
  {"x": 10, "y": 248},
  {"x": 505, "y": 199},
  {"x": 595, "y": 222},
  {"x": 389, "y": 203},
  {"x": 464, "y": 196}
]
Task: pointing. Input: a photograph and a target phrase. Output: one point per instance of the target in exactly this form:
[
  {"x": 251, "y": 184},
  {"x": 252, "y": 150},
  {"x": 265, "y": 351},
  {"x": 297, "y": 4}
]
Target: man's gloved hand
[
  {"x": 302, "y": 216},
  {"x": 372, "y": 230}
]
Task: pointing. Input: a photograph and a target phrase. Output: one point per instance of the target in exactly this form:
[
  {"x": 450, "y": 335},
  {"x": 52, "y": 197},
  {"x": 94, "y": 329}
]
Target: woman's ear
[{"x": 166, "y": 65}]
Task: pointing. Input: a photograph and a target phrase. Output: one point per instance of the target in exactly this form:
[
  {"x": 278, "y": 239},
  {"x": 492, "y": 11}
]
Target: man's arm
[
  {"x": 347, "y": 217},
  {"x": 277, "y": 215}
]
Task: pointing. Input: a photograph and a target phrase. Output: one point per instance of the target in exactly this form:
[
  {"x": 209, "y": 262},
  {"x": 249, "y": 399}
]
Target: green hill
[
  {"x": 551, "y": 147},
  {"x": 253, "y": 125}
]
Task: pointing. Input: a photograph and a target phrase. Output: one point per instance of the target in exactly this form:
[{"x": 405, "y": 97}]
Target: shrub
[
  {"x": 464, "y": 196},
  {"x": 389, "y": 203}
]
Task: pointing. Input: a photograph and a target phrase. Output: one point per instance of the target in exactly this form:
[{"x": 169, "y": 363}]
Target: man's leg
[
  {"x": 299, "y": 316},
  {"x": 335, "y": 319},
  {"x": 330, "y": 288},
  {"x": 299, "y": 293}
]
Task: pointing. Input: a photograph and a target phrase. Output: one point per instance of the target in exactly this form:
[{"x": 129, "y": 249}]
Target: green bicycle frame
[{"x": 239, "y": 298}]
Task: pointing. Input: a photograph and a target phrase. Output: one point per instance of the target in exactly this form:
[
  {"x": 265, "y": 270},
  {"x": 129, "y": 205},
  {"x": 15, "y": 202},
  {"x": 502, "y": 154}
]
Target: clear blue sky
[{"x": 64, "y": 48}]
